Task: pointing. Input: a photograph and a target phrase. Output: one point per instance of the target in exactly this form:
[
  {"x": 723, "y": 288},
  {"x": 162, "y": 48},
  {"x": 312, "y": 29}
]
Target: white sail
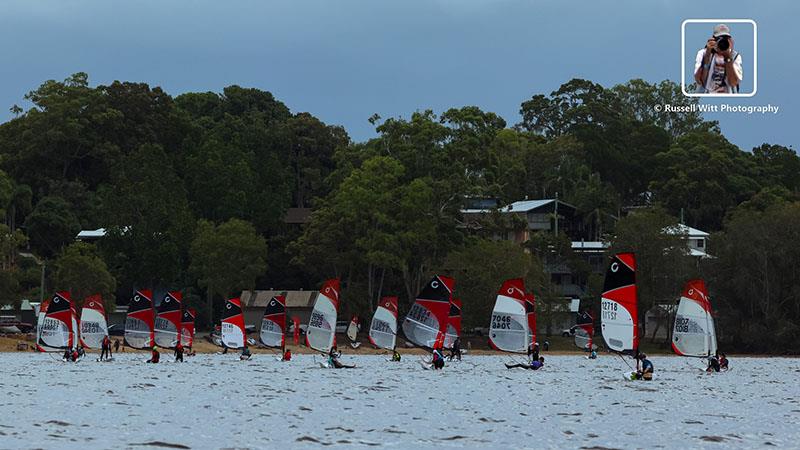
[
  {"x": 619, "y": 305},
  {"x": 322, "y": 324},
  {"x": 693, "y": 332},
  {"x": 508, "y": 330},
  {"x": 383, "y": 328},
  {"x": 93, "y": 323}
]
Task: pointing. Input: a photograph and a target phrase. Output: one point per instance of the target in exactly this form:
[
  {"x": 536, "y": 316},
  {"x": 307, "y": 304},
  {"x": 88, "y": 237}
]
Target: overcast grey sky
[{"x": 344, "y": 60}]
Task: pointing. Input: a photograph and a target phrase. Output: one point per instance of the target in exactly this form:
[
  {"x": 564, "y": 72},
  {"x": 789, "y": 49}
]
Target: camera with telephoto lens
[{"x": 723, "y": 43}]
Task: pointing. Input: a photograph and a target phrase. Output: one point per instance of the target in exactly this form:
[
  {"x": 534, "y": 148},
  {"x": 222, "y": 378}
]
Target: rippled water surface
[{"x": 215, "y": 401}]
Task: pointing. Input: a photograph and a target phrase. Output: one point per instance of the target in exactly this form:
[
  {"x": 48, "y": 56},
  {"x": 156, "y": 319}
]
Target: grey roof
[{"x": 520, "y": 206}]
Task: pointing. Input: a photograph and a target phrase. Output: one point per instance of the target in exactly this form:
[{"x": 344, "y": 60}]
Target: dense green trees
[
  {"x": 192, "y": 192},
  {"x": 227, "y": 259},
  {"x": 81, "y": 270}
]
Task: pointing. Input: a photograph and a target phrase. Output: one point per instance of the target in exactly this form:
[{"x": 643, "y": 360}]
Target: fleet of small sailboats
[{"x": 432, "y": 322}]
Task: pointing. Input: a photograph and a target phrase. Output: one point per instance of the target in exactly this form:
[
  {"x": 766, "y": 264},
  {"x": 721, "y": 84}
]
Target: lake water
[{"x": 215, "y": 401}]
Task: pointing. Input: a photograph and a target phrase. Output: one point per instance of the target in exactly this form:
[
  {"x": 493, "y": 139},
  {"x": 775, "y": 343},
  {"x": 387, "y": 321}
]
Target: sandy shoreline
[{"x": 202, "y": 346}]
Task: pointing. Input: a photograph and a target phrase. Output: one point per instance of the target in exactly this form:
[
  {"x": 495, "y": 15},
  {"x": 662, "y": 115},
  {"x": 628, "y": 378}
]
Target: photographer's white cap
[{"x": 722, "y": 30}]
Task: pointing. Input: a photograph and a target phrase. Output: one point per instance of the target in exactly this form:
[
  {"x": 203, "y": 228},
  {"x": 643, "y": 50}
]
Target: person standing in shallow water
[
  {"x": 179, "y": 352},
  {"x": 105, "y": 352},
  {"x": 116, "y": 345},
  {"x": 155, "y": 356}
]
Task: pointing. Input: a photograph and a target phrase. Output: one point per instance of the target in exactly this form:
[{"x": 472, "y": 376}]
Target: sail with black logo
[
  {"x": 273, "y": 324},
  {"x": 56, "y": 331},
  {"x": 140, "y": 322},
  {"x": 232, "y": 330},
  {"x": 619, "y": 314},
  {"x": 453, "y": 323},
  {"x": 168, "y": 320},
  {"x": 425, "y": 324},
  {"x": 187, "y": 327}
]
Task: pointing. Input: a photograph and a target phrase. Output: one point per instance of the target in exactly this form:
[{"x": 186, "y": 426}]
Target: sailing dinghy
[
  {"x": 321, "y": 331},
  {"x": 273, "y": 324},
  {"x": 509, "y": 330},
  {"x": 187, "y": 328},
  {"x": 693, "y": 334},
  {"x": 140, "y": 322},
  {"x": 383, "y": 328},
  {"x": 232, "y": 328},
  {"x": 584, "y": 332},
  {"x": 168, "y": 320},
  {"x": 352, "y": 332},
  {"x": 453, "y": 324},
  {"x": 425, "y": 324},
  {"x": 56, "y": 330},
  {"x": 619, "y": 314},
  {"x": 530, "y": 312},
  {"x": 94, "y": 327}
]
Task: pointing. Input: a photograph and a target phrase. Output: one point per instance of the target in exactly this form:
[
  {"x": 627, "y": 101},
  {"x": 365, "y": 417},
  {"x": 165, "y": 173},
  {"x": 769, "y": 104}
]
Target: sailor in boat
[
  {"x": 67, "y": 355},
  {"x": 646, "y": 372},
  {"x": 536, "y": 364},
  {"x": 178, "y": 352},
  {"x": 395, "y": 355},
  {"x": 81, "y": 351},
  {"x": 74, "y": 355},
  {"x": 116, "y": 345},
  {"x": 155, "y": 356},
  {"x": 593, "y": 354},
  {"x": 287, "y": 355},
  {"x": 105, "y": 351},
  {"x": 533, "y": 351},
  {"x": 713, "y": 363},
  {"x": 245, "y": 353},
  {"x": 455, "y": 351},
  {"x": 438, "y": 358},
  {"x": 333, "y": 359},
  {"x": 723, "y": 362}
]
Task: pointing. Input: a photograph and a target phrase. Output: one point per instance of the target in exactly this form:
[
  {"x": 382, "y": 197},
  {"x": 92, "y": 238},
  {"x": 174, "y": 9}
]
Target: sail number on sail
[
  {"x": 419, "y": 314},
  {"x": 609, "y": 310},
  {"x": 501, "y": 322},
  {"x": 317, "y": 319},
  {"x": 163, "y": 324},
  {"x": 381, "y": 326}
]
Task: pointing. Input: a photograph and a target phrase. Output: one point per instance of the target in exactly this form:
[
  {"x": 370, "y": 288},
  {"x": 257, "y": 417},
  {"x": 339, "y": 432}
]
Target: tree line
[{"x": 192, "y": 191}]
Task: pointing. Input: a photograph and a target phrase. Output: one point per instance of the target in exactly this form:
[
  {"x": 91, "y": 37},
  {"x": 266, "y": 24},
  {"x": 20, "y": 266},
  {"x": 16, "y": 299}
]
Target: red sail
[
  {"x": 56, "y": 329},
  {"x": 273, "y": 324},
  {"x": 425, "y": 324},
  {"x": 233, "y": 332},
  {"x": 168, "y": 321},
  {"x": 530, "y": 312},
  {"x": 140, "y": 323},
  {"x": 187, "y": 327},
  {"x": 619, "y": 312}
]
